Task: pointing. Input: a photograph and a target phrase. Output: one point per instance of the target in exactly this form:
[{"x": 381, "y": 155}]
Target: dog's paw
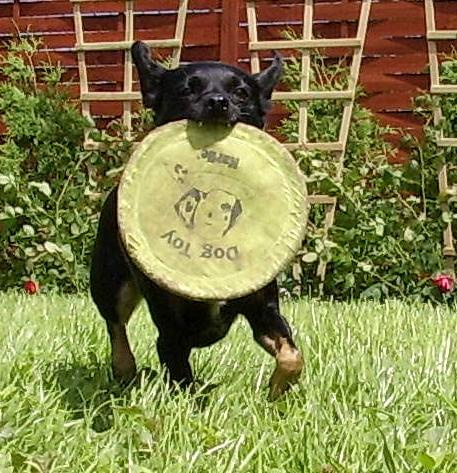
[
  {"x": 289, "y": 365},
  {"x": 124, "y": 373}
]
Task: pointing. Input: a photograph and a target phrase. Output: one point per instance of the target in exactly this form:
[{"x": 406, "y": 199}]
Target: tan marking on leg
[
  {"x": 127, "y": 299},
  {"x": 268, "y": 344},
  {"x": 289, "y": 365},
  {"x": 123, "y": 362},
  {"x": 124, "y": 367}
]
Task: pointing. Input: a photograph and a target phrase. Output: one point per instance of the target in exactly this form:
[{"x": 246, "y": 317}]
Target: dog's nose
[{"x": 218, "y": 103}]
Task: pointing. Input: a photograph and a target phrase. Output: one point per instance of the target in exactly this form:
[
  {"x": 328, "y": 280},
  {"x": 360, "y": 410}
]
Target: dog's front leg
[
  {"x": 289, "y": 363},
  {"x": 166, "y": 310},
  {"x": 273, "y": 333},
  {"x": 174, "y": 354}
]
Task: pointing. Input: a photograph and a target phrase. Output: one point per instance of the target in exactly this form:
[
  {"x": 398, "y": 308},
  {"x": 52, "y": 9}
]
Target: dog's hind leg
[
  {"x": 273, "y": 333},
  {"x": 123, "y": 362},
  {"x": 174, "y": 354},
  {"x": 113, "y": 289},
  {"x": 168, "y": 313}
]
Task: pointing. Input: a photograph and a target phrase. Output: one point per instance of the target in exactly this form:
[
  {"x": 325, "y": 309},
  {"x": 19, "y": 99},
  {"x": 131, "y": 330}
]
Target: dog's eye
[
  {"x": 241, "y": 93},
  {"x": 232, "y": 83},
  {"x": 195, "y": 85}
]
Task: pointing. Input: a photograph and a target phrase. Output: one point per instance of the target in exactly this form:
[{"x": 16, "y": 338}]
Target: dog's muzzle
[
  {"x": 217, "y": 104},
  {"x": 217, "y": 107}
]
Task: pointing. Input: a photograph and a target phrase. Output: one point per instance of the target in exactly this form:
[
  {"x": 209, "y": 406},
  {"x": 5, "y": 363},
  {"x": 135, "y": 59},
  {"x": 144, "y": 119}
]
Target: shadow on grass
[{"x": 92, "y": 390}]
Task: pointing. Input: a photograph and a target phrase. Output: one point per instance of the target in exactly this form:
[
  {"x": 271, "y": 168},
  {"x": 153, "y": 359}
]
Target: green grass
[{"x": 378, "y": 395}]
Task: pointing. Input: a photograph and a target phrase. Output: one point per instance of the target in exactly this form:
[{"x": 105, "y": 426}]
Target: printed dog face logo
[
  {"x": 211, "y": 214},
  {"x": 187, "y": 205}
]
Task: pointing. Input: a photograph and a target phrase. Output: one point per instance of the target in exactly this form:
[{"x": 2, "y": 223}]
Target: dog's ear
[
  {"x": 268, "y": 78},
  {"x": 149, "y": 73}
]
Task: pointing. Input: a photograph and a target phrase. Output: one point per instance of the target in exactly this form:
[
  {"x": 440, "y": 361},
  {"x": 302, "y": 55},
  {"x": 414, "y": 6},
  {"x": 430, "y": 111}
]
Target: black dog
[{"x": 204, "y": 92}]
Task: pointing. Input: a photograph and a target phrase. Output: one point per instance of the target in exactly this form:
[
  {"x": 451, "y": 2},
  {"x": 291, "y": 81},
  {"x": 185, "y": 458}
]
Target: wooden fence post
[{"x": 229, "y": 32}]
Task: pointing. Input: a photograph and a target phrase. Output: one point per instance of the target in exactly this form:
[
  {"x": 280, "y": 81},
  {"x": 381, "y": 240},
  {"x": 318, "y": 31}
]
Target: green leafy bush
[
  {"x": 386, "y": 240},
  {"x": 51, "y": 189},
  {"x": 387, "y": 236}
]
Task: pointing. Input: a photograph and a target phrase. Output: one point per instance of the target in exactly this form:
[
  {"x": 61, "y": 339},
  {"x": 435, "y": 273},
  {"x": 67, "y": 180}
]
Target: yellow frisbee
[{"x": 211, "y": 212}]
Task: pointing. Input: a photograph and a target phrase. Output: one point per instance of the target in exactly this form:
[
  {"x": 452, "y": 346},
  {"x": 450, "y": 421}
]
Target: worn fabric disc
[{"x": 211, "y": 212}]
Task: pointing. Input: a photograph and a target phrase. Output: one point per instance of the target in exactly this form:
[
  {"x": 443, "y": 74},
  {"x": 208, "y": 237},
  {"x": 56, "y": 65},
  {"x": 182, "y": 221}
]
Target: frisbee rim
[{"x": 289, "y": 241}]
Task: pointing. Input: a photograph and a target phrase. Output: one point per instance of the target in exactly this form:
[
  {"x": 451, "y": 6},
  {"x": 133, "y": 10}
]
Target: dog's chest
[
  {"x": 214, "y": 309},
  {"x": 210, "y": 325}
]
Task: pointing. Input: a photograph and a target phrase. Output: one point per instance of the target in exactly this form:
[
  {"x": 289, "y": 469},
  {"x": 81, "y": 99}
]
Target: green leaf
[
  {"x": 30, "y": 252},
  {"x": 447, "y": 217},
  {"x": 319, "y": 245},
  {"x": 9, "y": 211},
  {"x": 388, "y": 459},
  {"x": 426, "y": 461},
  {"x": 309, "y": 257},
  {"x": 349, "y": 280},
  {"x": 51, "y": 247},
  {"x": 67, "y": 253},
  {"x": 5, "y": 180},
  {"x": 74, "y": 229},
  {"x": 366, "y": 267},
  {"x": 28, "y": 230},
  {"x": 373, "y": 292},
  {"x": 330, "y": 244},
  {"x": 43, "y": 187},
  {"x": 408, "y": 234},
  {"x": 436, "y": 435}
]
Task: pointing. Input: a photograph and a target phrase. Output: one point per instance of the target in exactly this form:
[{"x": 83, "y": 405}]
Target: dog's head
[{"x": 205, "y": 91}]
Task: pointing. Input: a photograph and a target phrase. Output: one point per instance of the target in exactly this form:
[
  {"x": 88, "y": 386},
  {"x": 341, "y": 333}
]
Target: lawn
[{"x": 378, "y": 395}]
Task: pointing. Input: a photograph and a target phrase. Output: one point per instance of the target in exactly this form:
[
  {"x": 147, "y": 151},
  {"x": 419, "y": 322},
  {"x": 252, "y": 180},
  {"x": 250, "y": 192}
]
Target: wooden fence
[{"x": 394, "y": 66}]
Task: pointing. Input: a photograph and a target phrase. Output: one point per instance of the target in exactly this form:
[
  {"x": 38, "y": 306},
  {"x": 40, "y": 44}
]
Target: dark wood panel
[
  {"x": 393, "y": 69},
  {"x": 389, "y": 46},
  {"x": 160, "y": 26},
  {"x": 332, "y": 12},
  {"x": 408, "y": 64},
  {"x": 321, "y": 30},
  {"x": 374, "y": 82},
  {"x": 66, "y": 40},
  {"x": 389, "y": 101},
  {"x": 68, "y": 59},
  {"x": 6, "y": 10},
  {"x": 58, "y": 7},
  {"x": 405, "y": 120}
]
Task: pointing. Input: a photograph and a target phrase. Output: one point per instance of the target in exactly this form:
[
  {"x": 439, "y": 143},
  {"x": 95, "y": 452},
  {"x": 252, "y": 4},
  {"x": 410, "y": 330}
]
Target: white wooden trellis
[
  {"x": 306, "y": 44},
  {"x": 436, "y": 88},
  {"x": 127, "y": 96}
]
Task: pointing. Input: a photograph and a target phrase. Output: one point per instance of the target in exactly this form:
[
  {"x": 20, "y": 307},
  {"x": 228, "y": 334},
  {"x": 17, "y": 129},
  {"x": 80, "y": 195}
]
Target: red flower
[
  {"x": 31, "y": 287},
  {"x": 444, "y": 282}
]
